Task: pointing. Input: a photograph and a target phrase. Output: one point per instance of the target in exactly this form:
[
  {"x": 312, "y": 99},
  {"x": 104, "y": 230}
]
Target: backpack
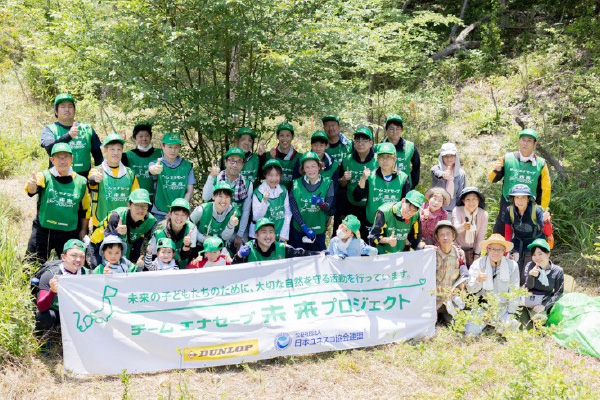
[
  {"x": 34, "y": 282},
  {"x": 511, "y": 213}
]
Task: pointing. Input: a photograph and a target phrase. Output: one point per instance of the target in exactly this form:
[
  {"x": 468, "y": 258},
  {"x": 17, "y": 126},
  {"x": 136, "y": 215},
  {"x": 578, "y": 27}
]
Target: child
[
  {"x": 214, "y": 254},
  {"x": 433, "y": 212},
  {"x": 346, "y": 244},
  {"x": 165, "y": 253},
  {"x": 113, "y": 262}
]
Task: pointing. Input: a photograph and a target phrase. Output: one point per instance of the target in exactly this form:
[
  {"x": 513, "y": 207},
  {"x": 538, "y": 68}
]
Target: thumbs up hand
[
  {"x": 214, "y": 170},
  {"x": 366, "y": 173},
  {"x": 121, "y": 228},
  {"x": 32, "y": 184},
  {"x": 347, "y": 175},
  {"x": 266, "y": 196},
  {"x": 262, "y": 148},
  {"x": 392, "y": 241},
  {"x": 498, "y": 165},
  {"x": 96, "y": 176},
  {"x": 157, "y": 168},
  {"x": 74, "y": 131},
  {"x": 187, "y": 241},
  {"x": 273, "y": 152},
  {"x": 234, "y": 221}
]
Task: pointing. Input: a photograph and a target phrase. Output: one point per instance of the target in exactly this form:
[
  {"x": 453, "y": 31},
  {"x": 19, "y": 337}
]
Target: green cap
[
  {"x": 273, "y": 162},
  {"x": 165, "y": 243},
  {"x": 74, "y": 244},
  {"x": 415, "y": 198},
  {"x": 309, "y": 155},
  {"x": 364, "y": 131},
  {"x": 222, "y": 185},
  {"x": 386, "y": 148},
  {"x": 539, "y": 243},
  {"x": 285, "y": 126},
  {"x": 180, "y": 203},
  {"x": 61, "y": 148},
  {"x": 245, "y": 130},
  {"x": 235, "y": 151},
  {"x": 212, "y": 243},
  {"x": 63, "y": 97},
  {"x": 112, "y": 138},
  {"x": 394, "y": 118},
  {"x": 263, "y": 222},
  {"x": 352, "y": 223},
  {"x": 171, "y": 138},
  {"x": 331, "y": 118},
  {"x": 319, "y": 135},
  {"x": 139, "y": 196},
  {"x": 528, "y": 132}
]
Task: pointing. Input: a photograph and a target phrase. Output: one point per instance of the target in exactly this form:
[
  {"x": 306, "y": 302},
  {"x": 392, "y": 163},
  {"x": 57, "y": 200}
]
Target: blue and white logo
[{"x": 283, "y": 341}]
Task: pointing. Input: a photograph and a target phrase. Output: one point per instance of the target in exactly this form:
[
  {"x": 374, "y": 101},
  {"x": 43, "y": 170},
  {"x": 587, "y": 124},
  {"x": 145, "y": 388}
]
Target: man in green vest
[
  {"x": 80, "y": 136},
  {"x": 63, "y": 205},
  {"x": 398, "y": 223},
  {"x": 133, "y": 224},
  {"x": 111, "y": 183},
  {"x": 242, "y": 190},
  {"x": 173, "y": 175},
  {"x": 253, "y": 162},
  {"x": 285, "y": 153},
  {"x": 352, "y": 169},
  {"x": 408, "y": 159},
  {"x": 265, "y": 247},
  {"x": 140, "y": 158},
  {"x": 521, "y": 167}
]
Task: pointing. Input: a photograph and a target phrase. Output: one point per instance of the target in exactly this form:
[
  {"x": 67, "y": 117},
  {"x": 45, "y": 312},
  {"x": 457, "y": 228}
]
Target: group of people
[{"x": 131, "y": 211}]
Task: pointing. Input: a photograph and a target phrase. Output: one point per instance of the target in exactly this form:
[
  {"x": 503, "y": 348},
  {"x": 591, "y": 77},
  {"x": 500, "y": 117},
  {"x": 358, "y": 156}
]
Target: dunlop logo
[{"x": 219, "y": 351}]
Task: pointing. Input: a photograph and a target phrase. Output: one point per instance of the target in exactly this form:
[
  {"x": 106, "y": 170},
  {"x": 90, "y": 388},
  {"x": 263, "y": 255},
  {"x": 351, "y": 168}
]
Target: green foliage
[
  {"x": 16, "y": 150},
  {"x": 17, "y": 319}
]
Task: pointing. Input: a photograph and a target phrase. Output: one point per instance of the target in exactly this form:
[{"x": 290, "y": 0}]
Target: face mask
[
  {"x": 144, "y": 148},
  {"x": 340, "y": 233}
]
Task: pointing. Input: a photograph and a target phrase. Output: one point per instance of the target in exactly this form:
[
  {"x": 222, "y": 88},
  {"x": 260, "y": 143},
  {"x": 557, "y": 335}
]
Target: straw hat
[
  {"x": 439, "y": 190},
  {"x": 497, "y": 238}
]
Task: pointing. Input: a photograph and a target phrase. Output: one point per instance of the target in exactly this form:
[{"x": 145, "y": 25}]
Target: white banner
[{"x": 228, "y": 315}]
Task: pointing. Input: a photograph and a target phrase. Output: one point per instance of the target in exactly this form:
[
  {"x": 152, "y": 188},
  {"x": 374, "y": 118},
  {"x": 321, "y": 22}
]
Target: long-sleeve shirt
[
  {"x": 460, "y": 182},
  {"x": 553, "y": 291},
  {"x": 48, "y": 140},
  {"x": 362, "y": 193},
  {"x": 481, "y": 223},
  {"x": 226, "y": 234},
  {"x": 259, "y": 209},
  {"x": 327, "y": 207},
  {"x": 354, "y": 248},
  {"x": 414, "y": 236},
  {"x": 290, "y": 252},
  {"x": 544, "y": 186},
  {"x": 247, "y": 206},
  {"x": 510, "y": 286},
  {"x": 415, "y": 163}
]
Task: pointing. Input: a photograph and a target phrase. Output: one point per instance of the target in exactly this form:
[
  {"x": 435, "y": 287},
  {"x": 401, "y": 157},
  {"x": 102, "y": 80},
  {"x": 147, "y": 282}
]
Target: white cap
[{"x": 447, "y": 149}]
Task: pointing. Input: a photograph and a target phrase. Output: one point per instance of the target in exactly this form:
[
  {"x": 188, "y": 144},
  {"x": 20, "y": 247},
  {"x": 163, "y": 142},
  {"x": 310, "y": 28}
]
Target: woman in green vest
[
  {"x": 80, "y": 136},
  {"x": 112, "y": 182},
  {"x": 265, "y": 246},
  {"x": 407, "y": 156},
  {"x": 174, "y": 176},
  {"x": 395, "y": 223},
  {"x": 352, "y": 169},
  {"x": 144, "y": 153},
  {"x": 318, "y": 144},
  {"x": 270, "y": 200},
  {"x": 63, "y": 205},
  {"x": 133, "y": 224},
  {"x": 177, "y": 227},
  {"x": 216, "y": 218},
  {"x": 285, "y": 153},
  {"x": 383, "y": 185},
  {"x": 311, "y": 204}
]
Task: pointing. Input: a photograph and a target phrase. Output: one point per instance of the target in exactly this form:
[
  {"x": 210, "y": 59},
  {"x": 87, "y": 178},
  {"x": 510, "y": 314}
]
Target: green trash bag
[{"x": 578, "y": 318}]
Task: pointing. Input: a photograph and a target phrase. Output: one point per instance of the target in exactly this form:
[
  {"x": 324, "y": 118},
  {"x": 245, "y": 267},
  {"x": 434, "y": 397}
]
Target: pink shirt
[{"x": 428, "y": 225}]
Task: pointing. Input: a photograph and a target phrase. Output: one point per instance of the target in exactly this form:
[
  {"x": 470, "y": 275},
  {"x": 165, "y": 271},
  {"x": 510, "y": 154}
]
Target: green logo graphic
[{"x": 99, "y": 316}]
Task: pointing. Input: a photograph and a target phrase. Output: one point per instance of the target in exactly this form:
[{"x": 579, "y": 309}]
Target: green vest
[
  {"x": 312, "y": 215},
  {"x": 113, "y": 193},
  {"x": 133, "y": 234},
  {"x": 356, "y": 168},
  {"x": 276, "y": 210},
  {"x": 161, "y": 233},
  {"x": 208, "y": 226},
  {"x": 81, "y": 145},
  {"x": 278, "y": 254},
  {"x": 381, "y": 192},
  {"x": 171, "y": 184},
  {"x": 392, "y": 225},
  {"x": 59, "y": 204},
  {"x": 403, "y": 159},
  {"x": 516, "y": 172},
  {"x": 250, "y": 169},
  {"x": 333, "y": 168},
  {"x": 287, "y": 168},
  {"x": 139, "y": 166},
  {"x": 340, "y": 151}
]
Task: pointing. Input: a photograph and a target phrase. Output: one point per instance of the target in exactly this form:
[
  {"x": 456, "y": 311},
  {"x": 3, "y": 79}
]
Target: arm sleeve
[
  {"x": 456, "y": 222},
  {"x": 239, "y": 260},
  {"x": 97, "y": 149},
  {"x": 558, "y": 291},
  {"x": 508, "y": 232},
  {"x": 415, "y": 171},
  {"x": 529, "y": 280},
  {"x": 45, "y": 300},
  {"x": 405, "y": 188},
  {"x": 377, "y": 229},
  {"x": 329, "y": 205},
  {"x": 372, "y": 250},
  {"x": 514, "y": 286},
  {"x": 295, "y": 211},
  {"x": 148, "y": 262},
  {"x": 414, "y": 236},
  {"x": 227, "y": 232},
  {"x": 474, "y": 286},
  {"x": 496, "y": 176},
  {"x": 41, "y": 183},
  {"x": 546, "y": 187},
  {"x": 262, "y": 159},
  {"x": 436, "y": 172},
  {"x": 358, "y": 193},
  {"x": 296, "y": 170},
  {"x": 243, "y": 226},
  {"x": 285, "y": 229},
  {"x": 291, "y": 252},
  {"x": 48, "y": 139},
  {"x": 208, "y": 188},
  {"x": 191, "y": 180},
  {"x": 259, "y": 208},
  {"x": 481, "y": 230}
]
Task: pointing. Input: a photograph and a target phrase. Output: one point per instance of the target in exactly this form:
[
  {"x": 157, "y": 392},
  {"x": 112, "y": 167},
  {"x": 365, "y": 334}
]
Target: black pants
[
  {"x": 47, "y": 320},
  {"x": 42, "y": 241},
  {"x": 499, "y": 225},
  {"x": 443, "y": 316}
]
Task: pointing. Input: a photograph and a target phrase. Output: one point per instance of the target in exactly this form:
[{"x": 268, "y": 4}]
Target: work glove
[
  {"x": 317, "y": 200},
  {"x": 244, "y": 251},
  {"x": 308, "y": 232}
]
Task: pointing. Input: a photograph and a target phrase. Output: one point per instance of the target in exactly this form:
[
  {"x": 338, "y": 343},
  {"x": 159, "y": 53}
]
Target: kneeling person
[
  {"x": 71, "y": 263},
  {"x": 265, "y": 248},
  {"x": 113, "y": 261}
]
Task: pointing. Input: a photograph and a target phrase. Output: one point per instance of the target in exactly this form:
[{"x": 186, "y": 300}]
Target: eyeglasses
[
  {"x": 233, "y": 161},
  {"x": 361, "y": 139},
  {"x": 496, "y": 249},
  {"x": 394, "y": 129}
]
